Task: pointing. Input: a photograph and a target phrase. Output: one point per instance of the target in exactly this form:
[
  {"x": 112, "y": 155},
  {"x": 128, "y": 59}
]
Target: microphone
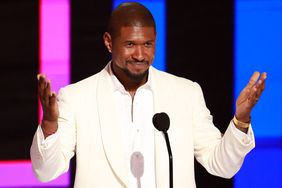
[
  {"x": 161, "y": 122},
  {"x": 137, "y": 166}
]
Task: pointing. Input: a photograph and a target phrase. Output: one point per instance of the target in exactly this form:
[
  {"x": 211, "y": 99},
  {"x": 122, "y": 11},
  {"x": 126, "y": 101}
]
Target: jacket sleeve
[
  {"x": 51, "y": 156},
  {"x": 221, "y": 155}
]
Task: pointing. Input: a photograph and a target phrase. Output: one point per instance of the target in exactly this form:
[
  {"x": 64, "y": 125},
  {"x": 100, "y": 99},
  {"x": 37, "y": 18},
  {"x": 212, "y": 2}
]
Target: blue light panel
[
  {"x": 258, "y": 46},
  {"x": 262, "y": 169},
  {"x": 158, "y": 9}
]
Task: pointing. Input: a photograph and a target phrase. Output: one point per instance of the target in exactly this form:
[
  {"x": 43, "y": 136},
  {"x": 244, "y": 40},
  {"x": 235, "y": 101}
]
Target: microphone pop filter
[{"x": 161, "y": 121}]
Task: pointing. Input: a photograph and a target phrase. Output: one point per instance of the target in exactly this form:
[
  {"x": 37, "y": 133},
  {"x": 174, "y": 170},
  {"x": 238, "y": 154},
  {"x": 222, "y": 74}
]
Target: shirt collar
[{"x": 119, "y": 87}]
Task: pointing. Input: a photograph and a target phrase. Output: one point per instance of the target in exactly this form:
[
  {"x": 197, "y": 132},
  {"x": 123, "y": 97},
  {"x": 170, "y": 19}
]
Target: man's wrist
[
  {"x": 52, "y": 127},
  {"x": 241, "y": 124}
]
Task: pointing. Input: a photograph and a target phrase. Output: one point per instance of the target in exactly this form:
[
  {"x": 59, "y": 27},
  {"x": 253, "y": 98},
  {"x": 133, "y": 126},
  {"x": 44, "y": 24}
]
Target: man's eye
[
  {"x": 148, "y": 44},
  {"x": 130, "y": 44}
]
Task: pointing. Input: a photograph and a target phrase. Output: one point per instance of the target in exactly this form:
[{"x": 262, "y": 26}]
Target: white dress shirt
[{"x": 135, "y": 116}]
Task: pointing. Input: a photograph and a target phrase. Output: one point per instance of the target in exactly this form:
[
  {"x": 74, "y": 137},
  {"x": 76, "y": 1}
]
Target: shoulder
[
  {"x": 83, "y": 87},
  {"x": 169, "y": 80},
  {"x": 90, "y": 81}
]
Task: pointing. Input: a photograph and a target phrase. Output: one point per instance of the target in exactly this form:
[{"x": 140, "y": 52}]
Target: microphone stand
[
  {"x": 161, "y": 122},
  {"x": 170, "y": 159}
]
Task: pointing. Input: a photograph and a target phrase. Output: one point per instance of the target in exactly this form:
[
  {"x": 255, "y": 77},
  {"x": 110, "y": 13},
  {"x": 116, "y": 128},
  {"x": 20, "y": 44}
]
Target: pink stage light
[
  {"x": 19, "y": 174},
  {"x": 54, "y": 61},
  {"x": 54, "y": 44},
  {"x": 54, "y": 52}
]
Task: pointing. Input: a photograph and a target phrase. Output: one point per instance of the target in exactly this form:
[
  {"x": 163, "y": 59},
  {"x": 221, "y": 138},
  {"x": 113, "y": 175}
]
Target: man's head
[
  {"x": 131, "y": 38},
  {"x": 129, "y": 15}
]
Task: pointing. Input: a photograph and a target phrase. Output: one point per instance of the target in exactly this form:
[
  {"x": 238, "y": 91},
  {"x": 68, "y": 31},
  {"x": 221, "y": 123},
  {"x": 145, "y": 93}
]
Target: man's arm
[
  {"x": 54, "y": 141},
  {"x": 224, "y": 155}
]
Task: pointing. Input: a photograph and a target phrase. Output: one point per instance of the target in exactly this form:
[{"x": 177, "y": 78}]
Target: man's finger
[
  {"x": 253, "y": 79},
  {"x": 47, "y": 92},
  {"x": 48, "y": 88},
  {"x": 260, "y": 89},
  {"x": 261, "y": 84},
  {"x": 263, "y": 76},
  {"x": 41, "y": 81},
  {"x": 257, "y": 90},
  {"x": 53, "y": 98},
  {"x": 253, "y": 98},
  {"x": 41, "y": 87}
]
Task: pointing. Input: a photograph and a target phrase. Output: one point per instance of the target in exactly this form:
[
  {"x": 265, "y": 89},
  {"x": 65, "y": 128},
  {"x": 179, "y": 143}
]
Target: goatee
[{"x": 136, "y": 77}]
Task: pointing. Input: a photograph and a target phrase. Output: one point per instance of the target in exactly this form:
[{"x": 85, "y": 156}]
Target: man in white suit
[{"x": 107, "y": 118}]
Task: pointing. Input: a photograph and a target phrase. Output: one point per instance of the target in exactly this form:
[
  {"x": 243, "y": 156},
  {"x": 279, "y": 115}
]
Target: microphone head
[
  {"x": 161, "y": 121},
  {"x": 137, "y": 164}
]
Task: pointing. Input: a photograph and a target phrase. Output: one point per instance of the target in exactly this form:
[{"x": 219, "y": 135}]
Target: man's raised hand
[
  {"x": 49, "y": 105},
  {"x": 249, "y": 96}
]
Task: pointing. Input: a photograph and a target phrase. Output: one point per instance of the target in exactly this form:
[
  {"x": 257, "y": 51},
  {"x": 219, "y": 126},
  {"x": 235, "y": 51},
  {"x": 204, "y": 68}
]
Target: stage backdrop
[{"x": 215, "y": 43}]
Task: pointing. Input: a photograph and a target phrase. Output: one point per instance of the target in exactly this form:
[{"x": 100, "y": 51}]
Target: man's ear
[{"x": 108, "y": 41}]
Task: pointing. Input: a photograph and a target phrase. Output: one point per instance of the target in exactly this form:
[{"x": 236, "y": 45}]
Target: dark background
[
  {"x": 18, "y": 69},
  {"x": 199, "y": 47}
]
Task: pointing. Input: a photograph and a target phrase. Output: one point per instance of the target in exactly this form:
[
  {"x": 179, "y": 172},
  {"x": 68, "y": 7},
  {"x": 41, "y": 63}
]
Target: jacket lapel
[
  {"x": 161, "y": 154},
  {"x": 110, "y": 131}
]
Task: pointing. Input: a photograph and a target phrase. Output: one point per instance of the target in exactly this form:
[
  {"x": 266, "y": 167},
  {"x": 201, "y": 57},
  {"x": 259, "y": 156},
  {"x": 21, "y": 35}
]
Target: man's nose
[{"x": 139, "y": 53}]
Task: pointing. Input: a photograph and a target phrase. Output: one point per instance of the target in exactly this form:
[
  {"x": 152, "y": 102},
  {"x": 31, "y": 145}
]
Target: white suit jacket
[{"x": 87, "y": 127}]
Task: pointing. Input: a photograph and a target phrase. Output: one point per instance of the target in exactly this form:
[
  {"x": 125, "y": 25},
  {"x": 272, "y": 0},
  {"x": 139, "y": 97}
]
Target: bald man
[{"x": 106, "y": 119}]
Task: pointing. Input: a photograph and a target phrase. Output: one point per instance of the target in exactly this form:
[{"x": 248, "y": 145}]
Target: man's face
[{"x": 133, "y": 50}]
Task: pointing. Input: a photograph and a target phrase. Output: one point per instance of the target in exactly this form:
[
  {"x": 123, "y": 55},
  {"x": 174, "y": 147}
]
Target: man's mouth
[{"x": 138, "y": 62}]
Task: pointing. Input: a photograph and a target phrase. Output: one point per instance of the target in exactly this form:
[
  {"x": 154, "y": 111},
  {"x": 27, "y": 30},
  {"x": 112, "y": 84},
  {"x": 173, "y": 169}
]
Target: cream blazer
[{"x": 87, "y": 128}]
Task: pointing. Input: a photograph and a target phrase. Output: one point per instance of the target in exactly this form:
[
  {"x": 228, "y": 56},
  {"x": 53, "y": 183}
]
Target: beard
[
  {"x": 135, "y": 76},
  {"x": 131, "y": 76}
]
